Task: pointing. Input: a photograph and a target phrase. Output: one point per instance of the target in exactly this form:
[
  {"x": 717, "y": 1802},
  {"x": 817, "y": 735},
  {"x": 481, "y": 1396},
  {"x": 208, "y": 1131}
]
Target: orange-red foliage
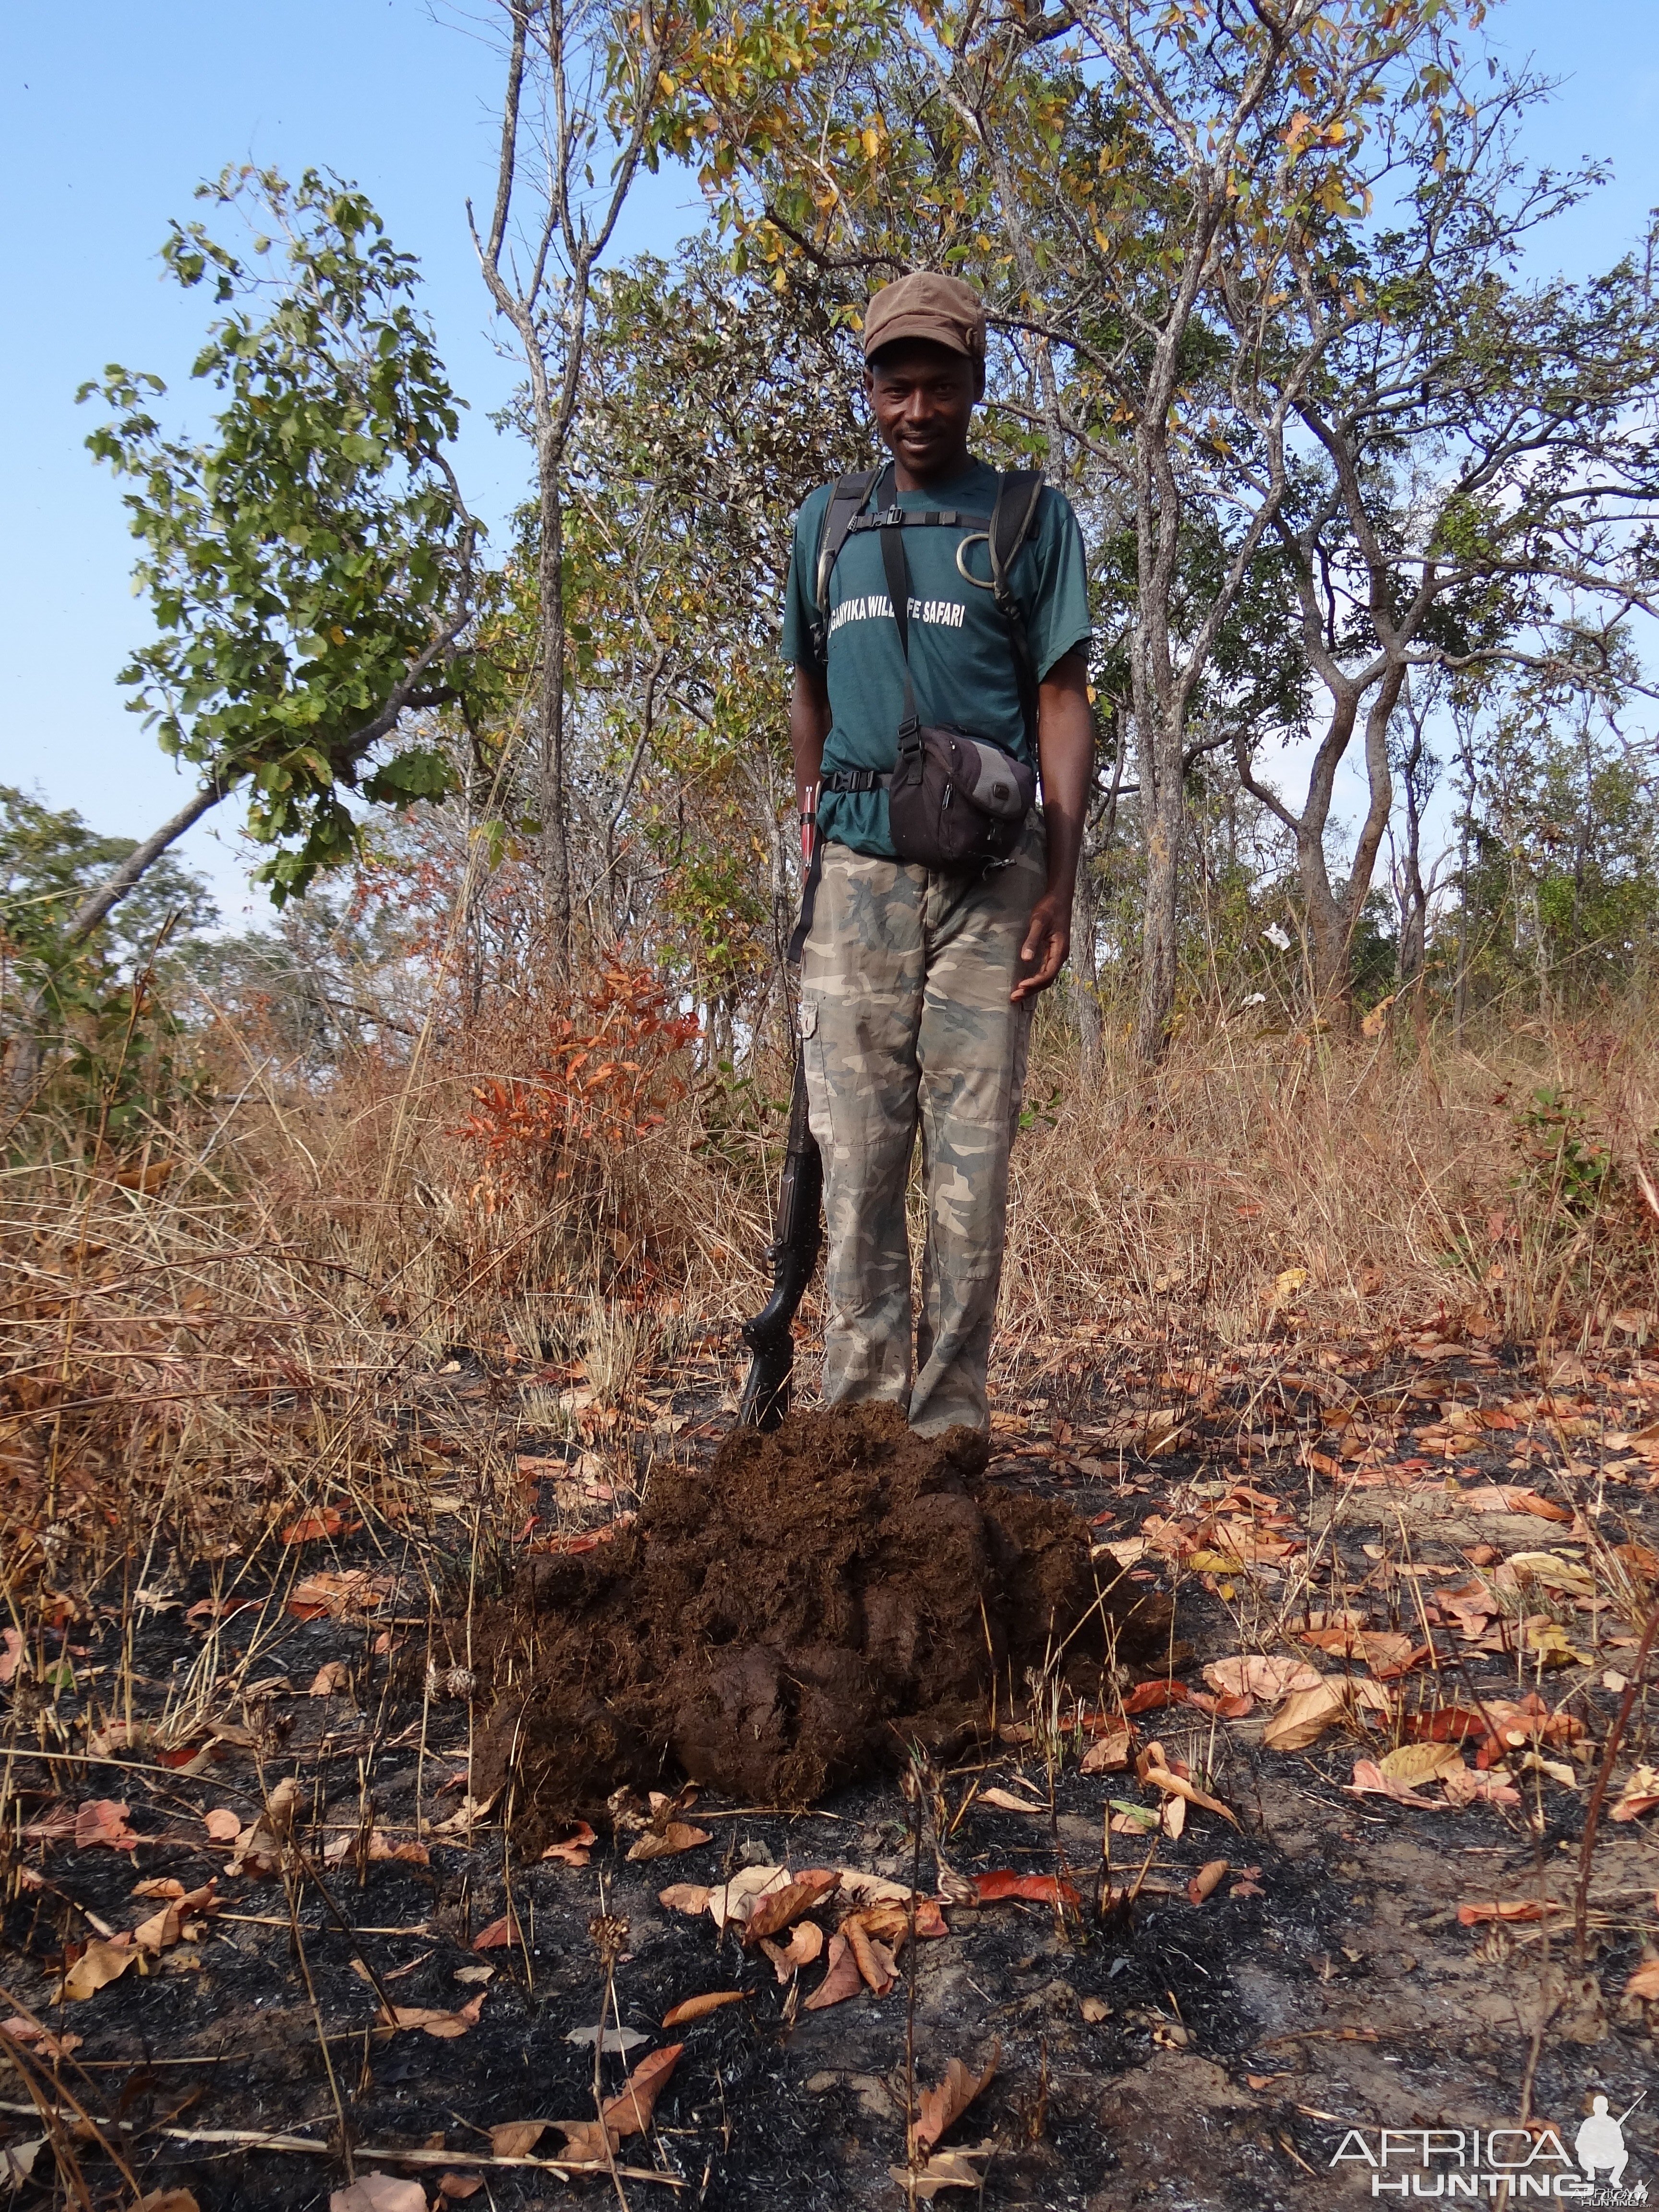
[{"x": 602, "y": 1075}]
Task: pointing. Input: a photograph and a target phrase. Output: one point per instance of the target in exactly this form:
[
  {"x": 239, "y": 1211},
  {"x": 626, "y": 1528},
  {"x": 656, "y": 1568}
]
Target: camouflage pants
[{"x": 905, "y": 1024}]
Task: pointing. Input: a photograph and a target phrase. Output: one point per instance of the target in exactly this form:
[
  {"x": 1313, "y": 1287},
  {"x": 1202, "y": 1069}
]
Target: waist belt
[{"x": 855, "y": 779}]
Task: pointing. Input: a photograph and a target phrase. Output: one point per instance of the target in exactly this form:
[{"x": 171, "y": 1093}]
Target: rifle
[{"x": 794, "y": 1252}]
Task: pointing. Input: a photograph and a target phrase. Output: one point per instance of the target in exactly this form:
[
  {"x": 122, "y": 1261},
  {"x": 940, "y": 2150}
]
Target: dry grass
[
  {"x": 1352, "y": 1185},
  {"x": 221, "y": 1333}
]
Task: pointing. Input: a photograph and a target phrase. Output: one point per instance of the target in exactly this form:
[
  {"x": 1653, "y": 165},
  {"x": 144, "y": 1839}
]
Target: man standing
[{"x": 917, "y": 983}]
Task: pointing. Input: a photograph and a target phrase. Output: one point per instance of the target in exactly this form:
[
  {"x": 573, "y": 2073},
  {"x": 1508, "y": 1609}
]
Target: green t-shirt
[{"x": 961, "y": 662}]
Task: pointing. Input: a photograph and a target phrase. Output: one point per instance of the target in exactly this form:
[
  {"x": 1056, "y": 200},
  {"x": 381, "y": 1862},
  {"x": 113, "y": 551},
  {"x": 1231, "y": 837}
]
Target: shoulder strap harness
[
  {"x": 1005, "y": 529},
  {"x": 845, "y": 500}
]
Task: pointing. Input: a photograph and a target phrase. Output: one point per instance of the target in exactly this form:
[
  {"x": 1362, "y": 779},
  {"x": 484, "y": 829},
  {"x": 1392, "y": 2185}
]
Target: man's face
[{"x": 922, "y": 395}]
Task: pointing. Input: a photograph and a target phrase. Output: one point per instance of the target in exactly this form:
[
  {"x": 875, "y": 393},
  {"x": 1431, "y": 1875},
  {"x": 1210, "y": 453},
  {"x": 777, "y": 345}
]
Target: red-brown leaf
[
  {"x": 628, "y": 2113},
  {"x": 942, "y": 2107},
  {"x": 1149, "y": 1696},
  {"x": 1508, "y": 1908},
  {"x": 774, "y": 1912},
  {"x": 842, "y": 1977},
  {"x": 102, "y": 1821},
  {"x": 1035, "y": 1888}
]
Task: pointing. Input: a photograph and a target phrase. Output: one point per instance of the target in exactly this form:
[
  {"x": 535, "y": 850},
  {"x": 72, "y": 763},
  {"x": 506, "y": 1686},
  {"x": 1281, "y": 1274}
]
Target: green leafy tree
[
  {"x": 91, "y": 1009},
  {"x": 1558, "y": 888},
  {"x": 311, "y": 566},
  {"x": 677, "y": 544}
]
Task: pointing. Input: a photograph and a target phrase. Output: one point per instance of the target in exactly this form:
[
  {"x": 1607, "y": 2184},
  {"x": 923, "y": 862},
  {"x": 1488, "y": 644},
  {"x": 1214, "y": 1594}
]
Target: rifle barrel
[{"x": 793, "y": 1253}]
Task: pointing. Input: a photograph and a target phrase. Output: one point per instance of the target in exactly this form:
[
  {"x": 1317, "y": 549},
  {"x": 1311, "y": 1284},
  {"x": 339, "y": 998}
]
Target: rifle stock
[{"x": 794, "y": 1252}]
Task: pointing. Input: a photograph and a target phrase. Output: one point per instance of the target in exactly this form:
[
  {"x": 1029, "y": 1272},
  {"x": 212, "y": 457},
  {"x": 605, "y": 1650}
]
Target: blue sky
[{"x": 109, "y": 114}]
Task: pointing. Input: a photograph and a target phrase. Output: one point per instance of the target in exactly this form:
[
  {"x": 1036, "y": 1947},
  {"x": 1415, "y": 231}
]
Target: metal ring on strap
[{"x": 974, "y": 538}]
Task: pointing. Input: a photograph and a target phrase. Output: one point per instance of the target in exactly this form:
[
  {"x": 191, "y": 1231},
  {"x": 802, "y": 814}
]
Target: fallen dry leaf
[
  {"x": 1384, "y": 1650},
  {"x": 699, "y": 2007},
  {"x": 446, "y": 2025},
  {"x": 311, "y": 1526},
  {"x": 1108, "y": 1754},
  {"x": 575, "y": 1849},
  {"x": 1644, "y": 1982},
  {"x": 164, "y": 1929},
  {"x": 379, "y": 2192},
  {"x": 1511, "y": 1497},
  {"x": 1148, "y": 1697},
  {"x": 1094, "y": 2010},
  {"x": 1369, "y": 1780},
  {"x": 1464, "y": 1785},
  {"x": 942, "y": 2107},
  {"x": 217, "y": 1608},
  {"x": 842, "y": 1977},
  {"x": 335, "y": 1595},
  {"x": 867, "y": 1889},
  {"x": 1411, "y": 1763},
  {"x": 379, "y": 1848},
  {"x": 1640, "y": 1794},
  {"x": 17, "y": 2160},
  {"x": 102, "y": 1821},
  {"x": 1005, "y": 1801},
  {"x": 466, "y": 1817},
  {"x": 1529, "y": 1719},
  {"x": 1508, "y": 1908},
  {"x": 1533, "y": 1762},
  {"x": 169, "y": 2200},
  {"x": 1303, "y": 1717},
  {"x": 585, "y": 2142},
  {"x": 734, "y": 1901},
  {"x": 685, "y": 1897},
  {"x": 677, "y": 1836},
  {"x": 1035, "y": 1888},
  {"x": 627, "y": 2113},
  {"x": 1208, "y": 1877},
  {"x": 331, "y": 1680},
  {"x": 456, "y": 2188},
  {"x": 875, "y": 1961},
  {"x": 774, "y": 1910},
  {"x": 890, "y": 1919},
  {"x": 223, "y": 1826},
  {"x": 1176, "y": 1785},
  {"x": 946, "y": 2169},
  {"x": 1256, "y": 1675},
  {"x": 98, "y": 1965},
  {"x": 11, "y": 1653},
  {"x": 516, "y": 2138},
  {"x": 39, "y": 2038},
  {"x": 500, "y": 1936},
  {"x": 1450, "y": 1724},
  {"x": 805, "y": 1943},
  {"x": 259, "y": 1849}
]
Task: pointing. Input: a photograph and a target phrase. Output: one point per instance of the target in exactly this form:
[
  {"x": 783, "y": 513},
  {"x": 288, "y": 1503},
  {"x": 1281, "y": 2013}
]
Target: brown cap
[{"x": 927, "y": 305}]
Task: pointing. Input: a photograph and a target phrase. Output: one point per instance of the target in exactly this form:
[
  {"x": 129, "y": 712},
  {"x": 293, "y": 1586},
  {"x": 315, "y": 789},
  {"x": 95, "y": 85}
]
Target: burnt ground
[{"x": 1163, "y": 2053}]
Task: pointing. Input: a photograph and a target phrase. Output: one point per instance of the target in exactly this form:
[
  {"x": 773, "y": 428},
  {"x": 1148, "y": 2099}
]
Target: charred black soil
[{"x": 795, "y": 1614}]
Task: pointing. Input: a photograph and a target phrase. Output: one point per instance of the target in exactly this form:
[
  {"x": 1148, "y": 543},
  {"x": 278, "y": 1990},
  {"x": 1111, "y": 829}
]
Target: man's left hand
[{"x": 1048, "y": 941}]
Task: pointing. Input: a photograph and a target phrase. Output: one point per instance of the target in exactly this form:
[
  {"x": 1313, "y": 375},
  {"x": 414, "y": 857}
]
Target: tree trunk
[
  {"x": 1159, "y": 945},
  {"x": 1085, "y": 974},
  {"x": 555, "y": 833}
]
